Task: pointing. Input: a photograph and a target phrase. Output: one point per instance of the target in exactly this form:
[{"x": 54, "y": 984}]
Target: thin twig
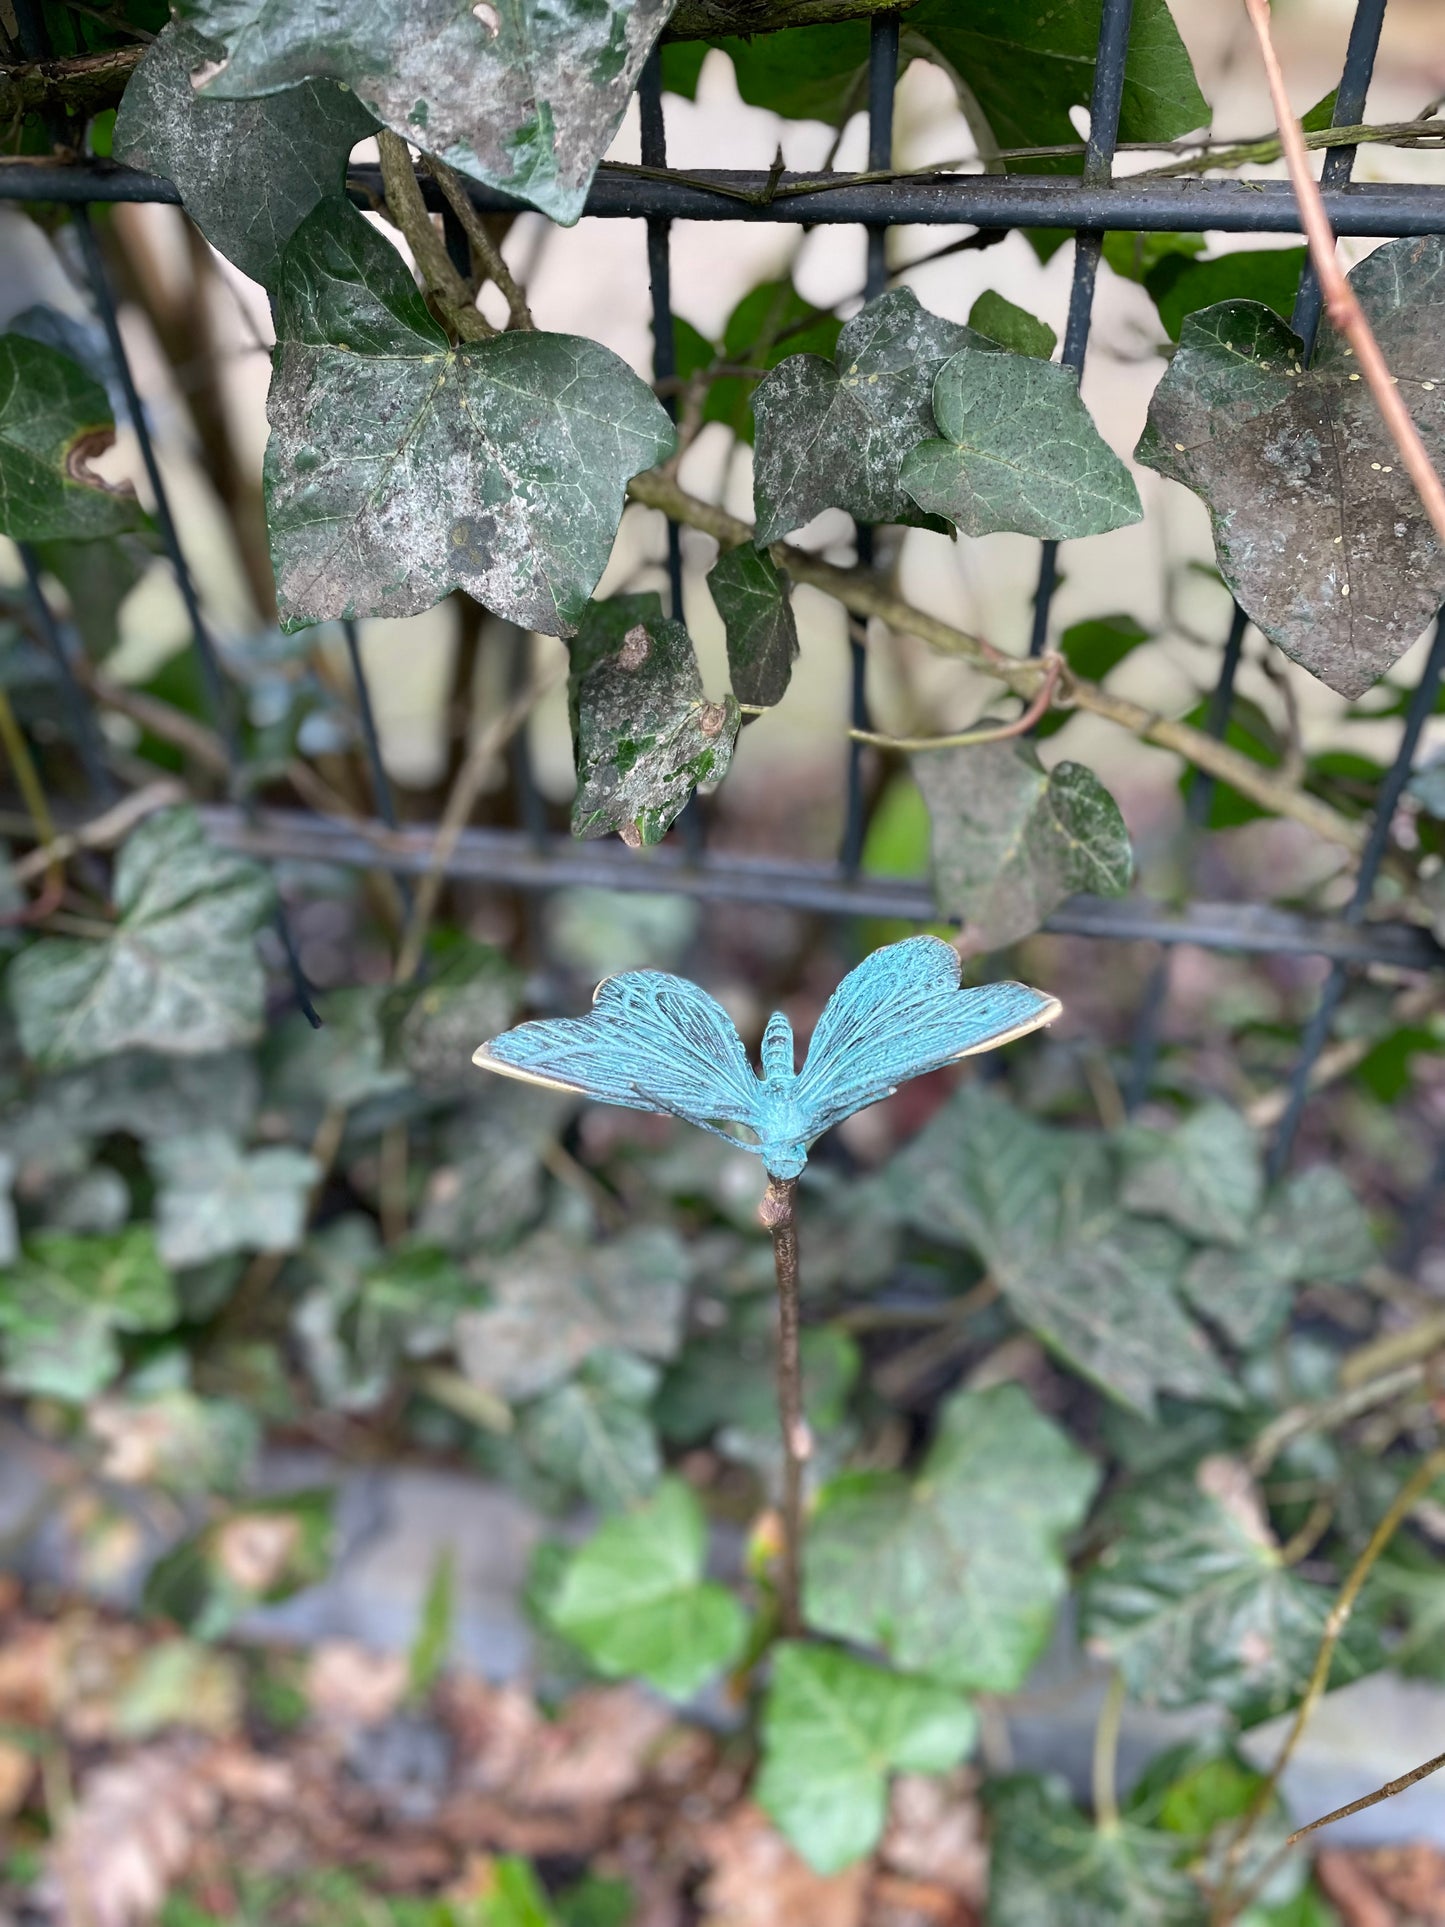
[
  {"x": 779, "y": 1212},
  {"x": 1385, "y": 1792},
  {"x": 1341, "y": 303},
  {"x": 32, "y": 791},
  {"x": 1327, "y": 1414},
  {"x": 968, "y": 738},
  {"x": 1106, "y": 1756},
  {"x": 103, "y": 832},
  {"x": 484, "y": 249},
  {"x": 407, "y": 208}
]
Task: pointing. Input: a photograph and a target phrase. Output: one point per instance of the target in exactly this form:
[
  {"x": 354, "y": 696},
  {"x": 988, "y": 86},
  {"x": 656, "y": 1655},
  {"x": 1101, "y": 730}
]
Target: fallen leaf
[
  {"x": 17, "y": 1770},
  {"x": 349, "y": 1685},
  {"x": 129, "y": 1836},
  {"x": 756, "y": 1880},
  {"x": 935, "y": 1833}
]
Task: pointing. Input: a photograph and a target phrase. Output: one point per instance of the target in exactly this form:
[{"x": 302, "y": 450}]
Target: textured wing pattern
[
  {"x": 899, "y": 1014},
  {"x": 652, "y": 1042}
]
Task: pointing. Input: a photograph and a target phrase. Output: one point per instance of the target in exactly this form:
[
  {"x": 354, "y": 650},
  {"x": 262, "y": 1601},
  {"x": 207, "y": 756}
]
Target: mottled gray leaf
[
  {"x": 344, "y": 1063},
  {"x": 762, "y": 637},
  {"x": 554, "y": 1303},
  {"x": 1037, "y": 1206},
  {"x": 400, "y": 468},
  {"x": 643, "y": 732},
  {"x": 1193, "y": 1603},
  {"x": 1011, "y": 326},
  {"x": 249, "y": 171},
  {"x": 1427, "y": 786},
  {"x": 144, "y": 1095},
  {"x": 834, "y": 1729},
  {"x": 1018, "y": 450},
  {"x": 1312, "y": 1232},
  {"x": 833, "y": 434},
  {"x": 489, "y": 1185},
  {"x": 525, "y": 97},
  {"x": 431, "y": 1029},
  {"x": 65, "y": 1300},
  {"x": 1052, "y": 1867},
  {"x": 9, "y": 1229},
  {"x": 959, "y": 1572},
  {"x": 212, "y": 1197},
  {"x": 1011, "y": 840},
  {"x": 178, "y": 974},
  {"x": 1317, "y": 527},
  {"x": 1206, "y": 1175},
  {"x": 54, "y": 420},
  {"x": 593, "y": 1434}
]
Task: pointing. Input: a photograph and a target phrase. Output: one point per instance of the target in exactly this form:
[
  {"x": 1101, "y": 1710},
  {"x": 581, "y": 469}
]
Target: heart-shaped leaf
[
  {"x": 1317, "y": 527},
  {"x": 1011, "y": 326},
  {"x": 400, "y": 468},
  {"x": 833, "y": 434},
  {"x": 213, "y": 1197},
  {"x": 1012, "y": 841},
  {"x": 593, "y": 1434},
  {"x": 178, "y": 974},
  {"x": 959, "y": 1572},
  {"x": 249, "y": 171},
  {"x": 834, "y": 1729},
  {"x": 54, "y": 420},
  {"x": 1206, "y": 1175},
  {"x": 1052, "y": 1867},
  {"x": 762, "y": 637},
  {"x": 524, "y": 97},
  {"x": 1018, "y": 451},
  {"x": 65, "y": 1300},
  {"x": 643, "y": 732}
]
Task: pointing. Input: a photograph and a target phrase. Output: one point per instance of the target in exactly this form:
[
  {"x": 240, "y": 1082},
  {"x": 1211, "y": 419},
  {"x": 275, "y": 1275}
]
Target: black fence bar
[
  {"x": 948, "y": 200},
  {"x": 366, "y": 716},
  {"x": 79, "y": 712},
  {"x": 513, "y": 860},
  {"x": 1422, "y": 705},
  {"x": 1339, "y": 161}
]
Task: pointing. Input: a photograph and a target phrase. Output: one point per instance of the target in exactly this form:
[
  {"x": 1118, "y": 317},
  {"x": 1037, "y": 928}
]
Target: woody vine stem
[{"x": 779, "y": 1212}]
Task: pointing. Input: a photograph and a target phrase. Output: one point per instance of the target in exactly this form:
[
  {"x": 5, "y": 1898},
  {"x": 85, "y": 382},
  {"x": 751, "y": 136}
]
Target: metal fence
[{"x": 1090, "y": 204}]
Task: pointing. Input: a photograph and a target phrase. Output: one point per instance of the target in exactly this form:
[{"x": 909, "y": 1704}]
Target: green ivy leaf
[
  {"x": 490, "y": 1182},
  {"x": 1193, "y": 1603},
  {"x": 400, "y": 468},
  {"x": 144, "y": 1095},
  {"x": 1317, "y": 527},
  {"x": 593, "y": 1434},
  {"x": 1011, "y": 326},
  {"x": 834, "y": 1729},
  {"x": 1018, "y": 451},
  {"x": 67, "y": 1297},
  {"x": 771, "y": 322},
  {"x": 249, "y": 171},
  {"x": 523, "y": 98},
  {"x": 634, "y": 1600},
  {"x": 431, "y": 1029},
  {"x": 762, "y": 637},
  {"x": 1313, "y": 1231},
  {"x": 833, "y": 434},
  {"x": 54, "y": 420},
  {"x": 1180, "y": 286},
  {"x": 644, "y": 733},
  {"x": 96, "y": 577},
  {"x": 1093, "y": 648},
  {"x": 1053, "y": 1868},
  {"x": 1206, "y": 1175},
  {"x": 554, "y": 1303},
  {"x": 1012, "y": 841},
  {"x": 1135, "y": 255},
  {"x": 1037, "y": 1206},
  {"x": 179, "y": 973},
  {"x": 957, "y": 1573},
  {"x": 255, "y": 1556},
  {"x": 212, "y": 1197},
  {"x": 726, "y": 1384}
]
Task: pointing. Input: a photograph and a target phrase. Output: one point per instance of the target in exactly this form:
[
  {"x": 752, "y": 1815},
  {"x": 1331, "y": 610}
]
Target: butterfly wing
[
  {"x": 899, "y": 1014},
  {"x": 651, "y": 1042}
]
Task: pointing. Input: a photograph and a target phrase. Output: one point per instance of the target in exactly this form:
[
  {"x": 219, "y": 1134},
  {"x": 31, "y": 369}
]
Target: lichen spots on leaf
[{"x": 635, "y": 646}]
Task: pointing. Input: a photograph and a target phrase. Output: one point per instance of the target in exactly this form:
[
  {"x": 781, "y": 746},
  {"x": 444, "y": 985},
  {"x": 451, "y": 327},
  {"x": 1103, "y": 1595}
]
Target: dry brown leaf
[
  {"x": 1344, "y": 1880},
  {"x": 756, "y": 1880},
  {"x": 594, "y": 1755},
  {"x": 17, "y": 1770},
  {"x": 129, "y": 1836},
  {"x": 348, "y": 1685},
  {"x": 30, "y": 1672},
  {"x": 894, "y": 1901},
  {"x": 254, "y": 1549},
  {"x": 935, "y": 1833},
  {"x": 1413, "y": 1877},
  {"x": 250, "y": 1779}
]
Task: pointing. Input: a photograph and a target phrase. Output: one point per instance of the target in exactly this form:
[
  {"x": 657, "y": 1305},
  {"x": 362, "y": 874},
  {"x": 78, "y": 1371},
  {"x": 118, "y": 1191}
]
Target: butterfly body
[{"x": 655, "y": 1042}]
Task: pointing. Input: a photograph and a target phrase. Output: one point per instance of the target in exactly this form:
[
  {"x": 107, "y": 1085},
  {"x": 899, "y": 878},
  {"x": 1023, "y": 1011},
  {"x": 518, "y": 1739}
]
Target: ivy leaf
[
  {"x": 65, "y": 1300},
  {"x": 1052, "y": 1867},
  {"x": 54, "y": 420},
  {"x": 1206, "y": 1176},
  {"x": 643, "y": 732},
  {"x": 400, "y": 468},
  {"x": 762, "y": 637},
  {"x": 175, "y": 1440},
  {"x": 249, "y": 171},
  {"x": 212, "y": 1197},
  {"x": 1317, "y": 528},
  {"x": 96, "y": 577},
  {"x": 834, "y": 1728},
  {"x": 1018, "y": 451},
  {"x": 1193, "y": 1603},
  {"x": 771, "y": 322},
  {"x": 1012, "y": 841},
  {"x": 1313, "y": 1232},
  {"x": 179, "y": 973},
  {"x": 593, "y": 1434},
  {"x": 523, "y": 98},
  {"x": 491, "y": 1182},
  {"x": 1037, "y": 1206},
  {"x": 432, "y": 1028},
  {"x": 833, "y": 434},
  {"x": 634, "y": 1600},
  {"x": 1011, "y": 326},
  {"x": 1181, "y": 287},
  {"x": 146, "y": 1096},
  {"x": 959, "y": 1572},
  {"x": 255, "y": 1557},
  {"x": 1093, "y": 648},
  {"x": 554, "y": 1303}
]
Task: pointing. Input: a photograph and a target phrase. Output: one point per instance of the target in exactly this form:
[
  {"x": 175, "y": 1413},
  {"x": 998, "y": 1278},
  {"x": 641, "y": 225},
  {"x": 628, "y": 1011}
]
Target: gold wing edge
[
  {"x": 1044, "y": 1015},
  {"x": 483, "y": 1058}
]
